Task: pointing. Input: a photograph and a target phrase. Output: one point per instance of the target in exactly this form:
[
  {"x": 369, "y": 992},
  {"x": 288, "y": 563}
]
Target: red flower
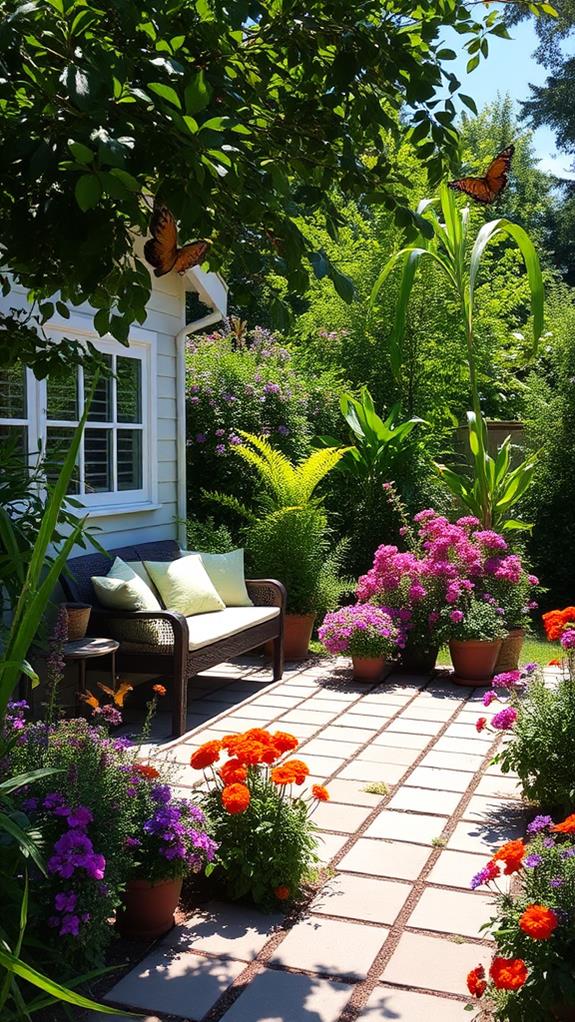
[
  {"x": 538, "y": 922},
  {"x": 146, "y": 771},
  {"x": 160, "y": 690},
  {"x": 233, "y": 772},
  {"x": 567, "y": 826},
  {"x": 476, "y": 983},
  {"x": 207, "y": 754},
  {"x": 480, "y": 724},
  {"x": 554, "y": 663},
  {"x": 511, "y": 853},
  {"x": 235, "y": 798},
  {"x": 508, "y": 973},
  {"x": 284, "y": 741},
  {"x": 322, "y": 794},
  {"x": 282, "y": 892}
]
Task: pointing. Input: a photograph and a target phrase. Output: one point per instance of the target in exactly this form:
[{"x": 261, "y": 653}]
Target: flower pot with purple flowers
[
  {"x": 365, "y": 632},
  {"x": 475, "y": 632}
]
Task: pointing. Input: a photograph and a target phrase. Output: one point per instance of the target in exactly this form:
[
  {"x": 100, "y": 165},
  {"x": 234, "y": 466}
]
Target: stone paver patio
[{"x": 395, "y": 928}]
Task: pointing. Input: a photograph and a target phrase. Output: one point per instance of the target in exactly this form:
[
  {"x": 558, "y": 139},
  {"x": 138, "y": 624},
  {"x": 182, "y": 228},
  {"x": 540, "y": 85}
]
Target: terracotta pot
[
  {"x": 297, "y": 635},
  {"x": 148, "y": 909},
  {"x": 473, "y": 660},
  {"x": 508, "y": 659},
  {"x": 368, "y": 668},
  {"x": 417, "y": 661},
  {"x": 78, "y": 616}
]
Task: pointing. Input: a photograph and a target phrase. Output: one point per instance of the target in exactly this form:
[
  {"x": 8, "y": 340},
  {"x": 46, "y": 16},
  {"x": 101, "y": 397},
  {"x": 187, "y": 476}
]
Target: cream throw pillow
[
  {"x": 185, "y": 585},
  {"x": 123, "y": 588},
  {"x": 227, "y": 574}
]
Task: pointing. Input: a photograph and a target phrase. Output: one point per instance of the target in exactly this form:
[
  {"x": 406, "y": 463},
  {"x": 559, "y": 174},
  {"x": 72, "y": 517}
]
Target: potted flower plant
[
  {"x": 168, "y": 839},
  {"x": 475, "y": 632},
  {"x": 261, "y": 822},
  {"x": 531, "y": 976},
  {"x": 366, "y": 633}
]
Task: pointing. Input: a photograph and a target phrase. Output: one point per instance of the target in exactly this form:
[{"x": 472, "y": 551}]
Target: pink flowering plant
[
  {"x": 363, "y": 630},
  {"x": 437, "y": 587}
]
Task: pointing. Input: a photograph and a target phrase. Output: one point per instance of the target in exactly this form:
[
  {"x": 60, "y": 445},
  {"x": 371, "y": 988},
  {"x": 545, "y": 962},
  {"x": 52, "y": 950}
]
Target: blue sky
[{"x": 510, "y": 68}]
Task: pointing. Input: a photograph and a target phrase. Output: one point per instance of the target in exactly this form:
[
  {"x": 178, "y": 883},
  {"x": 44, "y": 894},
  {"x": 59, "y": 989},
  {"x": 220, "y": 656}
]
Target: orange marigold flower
[
  {"x": 538, "y": 922},
  {"x": 508, "y": 973},
  {"x": 476, "y": 983},
  {"x": 284, "y": 741},
  {"x": 567, "y": 826},
  {"x": 556, "y": 621},
  {"x": 259, "y": 734},
  {"x": 554, "y": 663},
  {"x": 146, "y": 771},
  {"x": 207, "y": 754},
  {"x": 512, "y": 854},
  {"x": 480, "y": 723},
  {"x": 282, "y": 892},
  {"x": 322, "y": 794},
  {"x": 233, "y": 772},
  {"x": 280, "y": 776},
  {"x": 235, "y": 798},
  {"x": 298, "y": 768},
  {"x": 160, "y": 690}
]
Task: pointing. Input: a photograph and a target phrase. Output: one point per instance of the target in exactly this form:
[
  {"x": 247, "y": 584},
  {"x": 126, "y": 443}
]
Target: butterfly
[
  {"x": 119, "y": 694},
  {"x": 486, "y": 189},
  {"x": 162, "y": 252}
]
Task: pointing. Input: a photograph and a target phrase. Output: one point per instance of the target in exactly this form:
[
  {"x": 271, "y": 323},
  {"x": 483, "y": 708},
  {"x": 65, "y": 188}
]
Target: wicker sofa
[{"x": 187, "y": 645}]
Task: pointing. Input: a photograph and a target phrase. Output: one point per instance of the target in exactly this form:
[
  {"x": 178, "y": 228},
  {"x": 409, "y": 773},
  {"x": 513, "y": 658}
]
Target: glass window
[{"x": 14, "y": 439}]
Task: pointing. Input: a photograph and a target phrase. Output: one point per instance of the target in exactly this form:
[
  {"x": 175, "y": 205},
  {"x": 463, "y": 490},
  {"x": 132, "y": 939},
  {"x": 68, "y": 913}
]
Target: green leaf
[
  {"x": 469, "y": 102},
  {"x": 165, "y": 92},
  {"x": 59, "y": 993},
  {"x": 472, "y": 64},
  {"x": 197, "y": 94},
  {"x": 88, "y": 191},
  {"x": 80, "y": 152},
  {"x": 128, "y": 180},
  {"x": 214, "y": 124}
]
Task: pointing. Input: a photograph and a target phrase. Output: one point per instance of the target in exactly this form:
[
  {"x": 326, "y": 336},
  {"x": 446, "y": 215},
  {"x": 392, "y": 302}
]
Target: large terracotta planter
[
  {"x": 297, "y": 635},
  {"x": 148, "y": 909},
  {"x": 473, "y": 660},
  {"x": 368, "y": 668},
  {"x": 508, "y": 659},
  {"x": 417, "y": 661}
]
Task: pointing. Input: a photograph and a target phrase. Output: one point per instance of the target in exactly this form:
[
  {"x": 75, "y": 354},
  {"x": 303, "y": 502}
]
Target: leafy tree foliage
[{"x": 241, "y": 116}]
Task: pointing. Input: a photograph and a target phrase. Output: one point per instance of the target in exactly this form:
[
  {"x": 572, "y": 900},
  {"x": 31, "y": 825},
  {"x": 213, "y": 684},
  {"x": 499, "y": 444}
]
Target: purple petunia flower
[
  {"x": 505, "y": 719},
  {"x": 65, "y": 901},
  {"x": 532, "y": 861},
  {"x": 556, "y": 882},
  {"x": 488, "y": 698},
  {"x": 540, "y": 823}
]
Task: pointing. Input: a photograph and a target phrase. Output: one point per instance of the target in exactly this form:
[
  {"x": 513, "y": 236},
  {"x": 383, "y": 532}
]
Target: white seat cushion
[{"x": 208, "y": 628}]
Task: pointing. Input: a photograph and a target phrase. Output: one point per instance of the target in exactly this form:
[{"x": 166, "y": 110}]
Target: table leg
[
  {"x": 114, "y": 670},
  {"x": 81, "y": 675}
]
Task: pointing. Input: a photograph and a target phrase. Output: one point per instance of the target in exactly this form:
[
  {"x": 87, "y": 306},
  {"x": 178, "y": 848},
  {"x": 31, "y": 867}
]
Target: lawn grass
[{"x": 535, "y": 650}]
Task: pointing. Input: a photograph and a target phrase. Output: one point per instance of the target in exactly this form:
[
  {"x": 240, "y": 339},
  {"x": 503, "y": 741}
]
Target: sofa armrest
[
  {"x": 173, "y": 625},
  {"x": 267, "y": 592}
]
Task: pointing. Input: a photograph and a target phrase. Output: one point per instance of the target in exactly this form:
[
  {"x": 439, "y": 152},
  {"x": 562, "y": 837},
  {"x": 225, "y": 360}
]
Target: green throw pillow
[
  {"x": 125, "y": 589},
  {"x": 227, "y": 574},
  {"x": 185, "y": 585}
]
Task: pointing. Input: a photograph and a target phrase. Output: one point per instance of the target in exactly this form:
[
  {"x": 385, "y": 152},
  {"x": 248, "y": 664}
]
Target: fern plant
[{"x": 287, "y": 534}]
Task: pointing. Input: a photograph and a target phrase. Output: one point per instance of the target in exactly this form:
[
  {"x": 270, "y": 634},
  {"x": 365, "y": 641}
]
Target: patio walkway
[{"x": 395, "y": 928}]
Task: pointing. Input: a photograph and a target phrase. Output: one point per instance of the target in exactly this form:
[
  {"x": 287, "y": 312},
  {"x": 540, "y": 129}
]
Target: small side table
[{"x": 86, "y": 649}]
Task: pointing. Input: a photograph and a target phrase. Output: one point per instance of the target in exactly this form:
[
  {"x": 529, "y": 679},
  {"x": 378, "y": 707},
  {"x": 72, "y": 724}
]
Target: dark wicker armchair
[{"x": 171, "y": 658}]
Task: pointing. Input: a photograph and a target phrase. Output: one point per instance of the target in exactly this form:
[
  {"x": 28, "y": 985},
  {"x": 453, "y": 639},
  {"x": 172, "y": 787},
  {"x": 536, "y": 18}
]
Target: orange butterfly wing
[
  {"x": 190, "y": 255},
  {"x": 89, "y": 698},
  {"x": 162, "y": 248},
  {"x": 486, "y": 189}
]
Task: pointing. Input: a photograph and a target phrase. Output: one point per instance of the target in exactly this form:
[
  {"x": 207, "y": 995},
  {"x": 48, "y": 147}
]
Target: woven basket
[
  {"x": 508, "y": 659},
  {"x": 78, "y": 616}
]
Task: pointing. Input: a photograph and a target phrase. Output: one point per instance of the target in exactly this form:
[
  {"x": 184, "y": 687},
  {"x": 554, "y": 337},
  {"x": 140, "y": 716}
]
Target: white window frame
[{"x": 143, "y": 346}]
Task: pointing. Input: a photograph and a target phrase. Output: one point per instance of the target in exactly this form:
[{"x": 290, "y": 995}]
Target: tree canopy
[{"x": 241, "y": 116}]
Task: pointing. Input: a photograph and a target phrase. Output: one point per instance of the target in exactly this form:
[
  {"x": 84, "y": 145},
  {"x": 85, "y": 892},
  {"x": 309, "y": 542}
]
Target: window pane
[
  {"x": 129, "y": 459},
  {"x": 58, "y": 443},
  {"x": 98, "y": 460},
  {"x": 63, "y": 397},
  {"x": 101, "y": 409},
  {"x": 129, "y": 389},
  {"x": 13, "y": 393},
  {"x": 13, "y": 442}
]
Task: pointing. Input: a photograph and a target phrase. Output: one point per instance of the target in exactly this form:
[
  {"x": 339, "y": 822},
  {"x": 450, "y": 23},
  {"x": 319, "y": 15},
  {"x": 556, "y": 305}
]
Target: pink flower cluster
[{"x": 362, "y": 630}]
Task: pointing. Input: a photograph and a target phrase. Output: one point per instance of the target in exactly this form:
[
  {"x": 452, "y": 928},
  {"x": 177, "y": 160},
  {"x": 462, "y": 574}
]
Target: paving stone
[
  {"x": 408, "y": 1006},
  {"x": 386, "y": 754},
  {"x": 462, "y": 745},
  {"x": 455, "y": 869},
  {"x": 337, "y": 733},
  {"x": 278, "y": 702},
  {"x": 468, "y": 731},
  {"x": 439, "y": 714},
  {"x": 320, "y": 747},
  {"x": 385, "y": 859},
  {"x": 253, "y": 711},
  {"x": 305, "y": 716},
  {"x": 329, "y": 845},
  {"x": 422, "y": 800},
  {"x": 163, "y": 982},
  {"x": 301, "y": 997},
  {"x": 495, "y": 812},
  {"x": 451, "y": 761},
  {"x": 352, "y": 793},
  {"x": 413, "y": 827},
  {"x": 226, "y": 931},
  {"x": 440, "y": 780},
  {"x": 324, "y": 704},
  {"x": 414, "y": 727},
  {"x": 364, "y": 898},
  {"x": 499, "y": 786},
  {"x": 371, "y": 773},
  {"x": 96, "y": 1016},
  {"x": 460, "y": 912},
  {"x": 401, "y": 740},
  {"x": 345, "y": 818},
  {"x": 481, "y": 838},
  {"x": 370, "y": 722},
  {"x": 442, "y": 965},
  {"x": 339, "y": 695},
  {"x": 322, "y": 766},
  {"x": 330, "y": 946}
]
